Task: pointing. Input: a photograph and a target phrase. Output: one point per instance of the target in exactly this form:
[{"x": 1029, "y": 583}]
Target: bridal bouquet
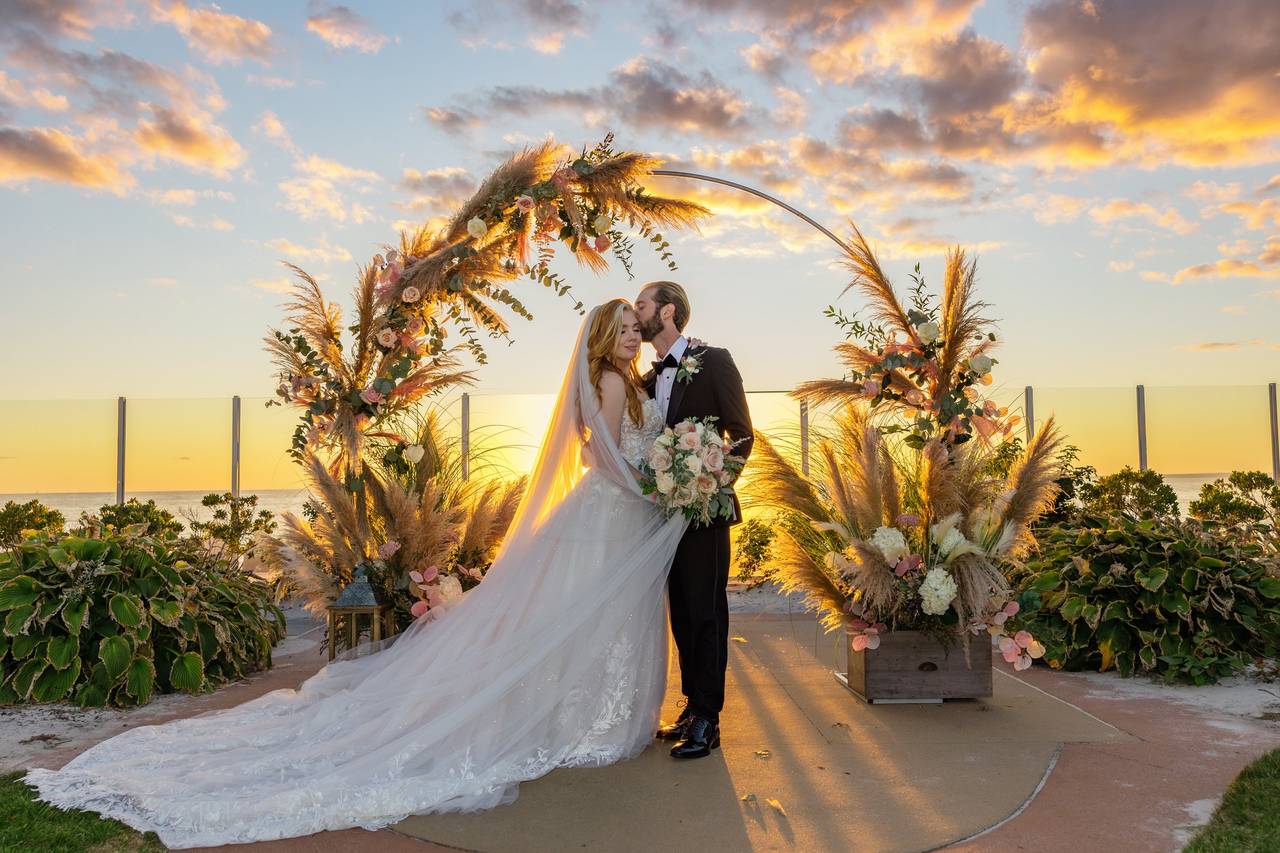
[{"x": 689, "y": 470}]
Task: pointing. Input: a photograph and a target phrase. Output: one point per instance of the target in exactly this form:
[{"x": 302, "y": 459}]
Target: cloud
[
  {"x": 184, "y": 197},
  {"x": 274, "y": 285},
  {"x": 1209, "y": 191},
  {"x": 437, "y": 190},
  {"x": 1225, "y": 268},
  {"x": 1212, "y": 346},
  {"x": 333, "y": 170},
  {"x": 642, "y": 93},
  {"x": 1053, "y": 208},
  {"x": 313, "y": 198},
  {"x": 187, "y": 139},
  {"x": 48, "y": 154},
  {"x": 1156, "y": 81},
  {"x": 1118, "y": 209},
  {"x": 74, "y": 19},
  {"x": 765, "y": 163},
  {"x": 791, "y": 108},
  {"x": 343, "y": 29},
  {"x": 17, "y": 93},
  {"x": 270, "y": 126},
  {"x": 546, "y": 23},
  {"x": 1255, "y": 215},
  {"x": 323, "y": 252},
  {"x": 1232, "y": 309},
  {"x": 1120, "y": 266},
  {"x": 216, "y": 35},
  {"x": 1270, "y": 186},
  {"x": 271, "y": 81}
]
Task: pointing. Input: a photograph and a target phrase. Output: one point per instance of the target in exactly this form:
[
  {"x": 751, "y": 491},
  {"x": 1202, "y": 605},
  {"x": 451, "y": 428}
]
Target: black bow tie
[{"x": 669, "y": 361}]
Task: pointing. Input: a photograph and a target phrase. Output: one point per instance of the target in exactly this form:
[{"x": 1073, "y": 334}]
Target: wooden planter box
[{"x": 913, "y": 667}]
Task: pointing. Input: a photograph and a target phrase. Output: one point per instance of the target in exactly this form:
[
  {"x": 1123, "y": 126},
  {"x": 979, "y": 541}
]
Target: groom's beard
[{"x": 650, "y": 329}]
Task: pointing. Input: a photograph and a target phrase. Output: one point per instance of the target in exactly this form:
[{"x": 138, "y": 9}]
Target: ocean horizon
[{"x": 185, "y": 504}]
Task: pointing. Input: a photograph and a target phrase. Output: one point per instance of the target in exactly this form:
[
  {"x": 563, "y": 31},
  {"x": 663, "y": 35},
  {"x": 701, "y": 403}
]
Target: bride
[{"x": 558, "y": 659}]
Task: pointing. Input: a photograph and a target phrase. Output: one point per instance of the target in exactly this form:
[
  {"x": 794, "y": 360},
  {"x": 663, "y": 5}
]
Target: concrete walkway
[{"x": 1053, "y": 762}]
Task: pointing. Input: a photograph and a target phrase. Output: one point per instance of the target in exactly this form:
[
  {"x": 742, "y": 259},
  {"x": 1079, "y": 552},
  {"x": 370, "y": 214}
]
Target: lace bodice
[{"x": 637, "y": 440}]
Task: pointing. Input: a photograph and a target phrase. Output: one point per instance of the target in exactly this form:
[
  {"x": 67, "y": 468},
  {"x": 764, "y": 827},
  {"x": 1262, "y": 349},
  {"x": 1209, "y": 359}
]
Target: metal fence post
[
  {"x": 1029, "y": 405},
  {"x": 804, "y": 437},
  {"x": 466, "y": 436},
  {"x": 1275, "y": 435},
  {"x": 120, "y": 450},
  {"x": 235, "y": 446},
  {"x": 1142, "y": 428}
]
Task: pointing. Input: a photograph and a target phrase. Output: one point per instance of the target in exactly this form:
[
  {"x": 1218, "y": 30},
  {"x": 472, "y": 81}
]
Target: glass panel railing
[
  {"x": 1196, "y": 434},
  {"x": 1101, "y": 422},
  {"x": 177, "y": 451},
  {"x": 62, "y": 452}
]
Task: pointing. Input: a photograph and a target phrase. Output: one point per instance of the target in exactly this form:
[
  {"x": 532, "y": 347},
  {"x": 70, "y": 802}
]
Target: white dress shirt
[{"x": 666, "y": 380}]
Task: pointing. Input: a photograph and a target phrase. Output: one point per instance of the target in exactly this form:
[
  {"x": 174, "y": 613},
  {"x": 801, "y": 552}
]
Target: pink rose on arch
[
  {"x": 388, "y": 549},
  {"x": 410, "y": 294},
  {"x": 602, "y": 243},
  {"x": 388, "y": 338},
  {"x": 870, "y": 388},
  {"x": 525, "y": 203},
  {"x": 915, "y": 397},
  {"x": 372, "y": 397},
  {"x": 391, "y": 274}
]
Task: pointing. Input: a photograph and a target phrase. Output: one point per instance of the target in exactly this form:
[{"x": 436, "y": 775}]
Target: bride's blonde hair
[{"x": 602, "y": 338}]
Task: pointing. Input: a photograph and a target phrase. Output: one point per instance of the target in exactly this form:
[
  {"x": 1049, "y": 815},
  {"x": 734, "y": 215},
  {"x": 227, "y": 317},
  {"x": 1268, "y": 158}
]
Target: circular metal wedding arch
[{"x": 711, "y": 179}]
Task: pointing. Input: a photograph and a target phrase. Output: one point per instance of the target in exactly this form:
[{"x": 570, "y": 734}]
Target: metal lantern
[{"x": 356, "y": 599}]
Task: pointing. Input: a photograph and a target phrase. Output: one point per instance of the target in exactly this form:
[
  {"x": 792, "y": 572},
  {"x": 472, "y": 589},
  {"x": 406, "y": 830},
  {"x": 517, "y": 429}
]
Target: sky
[{"x": 1114, "y": 165}]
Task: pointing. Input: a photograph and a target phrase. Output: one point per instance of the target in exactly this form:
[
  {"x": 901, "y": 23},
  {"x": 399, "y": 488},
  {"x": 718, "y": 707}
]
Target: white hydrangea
[
  {"x": 937, "y": 591},
  {"x": 450, "y": 589},
  {"x": 891, "y": 543}
]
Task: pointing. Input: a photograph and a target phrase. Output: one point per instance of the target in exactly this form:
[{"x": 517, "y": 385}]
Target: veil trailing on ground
[{"x": 558, "y": 658}]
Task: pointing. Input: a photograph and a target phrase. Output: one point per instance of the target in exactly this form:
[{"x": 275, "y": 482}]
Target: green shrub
[
  {"x": 753, "y": 540},
  {"x": 1249, "y": 500},
  {"x": 159, "y": 521},
  {"x": 1165, "y": 596},
  {"x": 114, "y": 619},
  {"x": 235, "y": 522},
  {"x": 32, "y": 515},
  {"x": 1143, "y": 494}
]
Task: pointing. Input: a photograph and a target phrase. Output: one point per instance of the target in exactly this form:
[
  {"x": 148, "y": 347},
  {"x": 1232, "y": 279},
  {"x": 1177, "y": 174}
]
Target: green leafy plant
[
  {"x": 32, "y": 515},
  {"x": 1247, "y": 500},
  {"x": 113, "y": 620},
  {"x": 159, "y": 521},
  {"x": 753, "y": 541},
  {"x": 235, "y": 522},
  {"x": 1166, "y": 596},
  {"x": 1143, "y": 494}
]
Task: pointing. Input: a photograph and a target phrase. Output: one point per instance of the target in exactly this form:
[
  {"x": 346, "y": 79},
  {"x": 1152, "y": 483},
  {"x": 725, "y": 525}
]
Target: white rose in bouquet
[
  {"x": 686, "y": 427},
  {"x": 688, "y": 441},
  {"x": 693, "y": 463},
  {"x": 660, "y": 459},
  {"x": 684, "y": 495},
  {"x": 937, "y": 591},
  {"x": 891, "y": 543},
  {"x": 664, "y": 482},
  {"x": 666, "y": 439}
]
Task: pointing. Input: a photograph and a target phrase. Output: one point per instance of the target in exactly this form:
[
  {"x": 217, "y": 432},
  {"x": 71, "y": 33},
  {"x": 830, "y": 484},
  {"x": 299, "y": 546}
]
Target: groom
[{"x": 695, "y": 382}]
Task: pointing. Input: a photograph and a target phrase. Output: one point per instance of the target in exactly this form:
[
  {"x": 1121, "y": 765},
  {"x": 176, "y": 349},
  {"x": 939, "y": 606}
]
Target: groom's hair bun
[{"x": 671, "y": 293}]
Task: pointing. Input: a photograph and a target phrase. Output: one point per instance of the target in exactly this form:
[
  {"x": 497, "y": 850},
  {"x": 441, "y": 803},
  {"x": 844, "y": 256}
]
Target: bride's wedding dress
[{"x": 557, "y": 659}]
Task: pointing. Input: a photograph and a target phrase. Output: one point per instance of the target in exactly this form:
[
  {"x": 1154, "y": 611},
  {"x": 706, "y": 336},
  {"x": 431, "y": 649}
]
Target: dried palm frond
[
  {"x": 874, "y": 284},
  {"x": 817, "y": 392},
  {"x": 795, "y": 569},
  {"x": 961, "y": 320},
  {"x": 871, "y": 575},
  {"x": 775, "y": 482},
  {"x": 1031, "y": 485},
  {"x": 937, "y": 484}
]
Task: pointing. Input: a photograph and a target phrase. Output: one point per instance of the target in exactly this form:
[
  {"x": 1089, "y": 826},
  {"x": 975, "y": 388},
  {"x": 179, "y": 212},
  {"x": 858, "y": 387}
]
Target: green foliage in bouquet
[
  {"x": 1159, "y": 595},
  {"x": 1142, "y": 494},
  {"x": 113, "y": 620},
  {"x": 33, "y": 516},
  {"x": 158, "y": 520}
]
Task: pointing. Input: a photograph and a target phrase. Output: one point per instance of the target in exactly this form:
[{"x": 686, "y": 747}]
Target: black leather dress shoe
[
  {"x": 675, "y": 731},
  {"x": 700, "y": 737}
]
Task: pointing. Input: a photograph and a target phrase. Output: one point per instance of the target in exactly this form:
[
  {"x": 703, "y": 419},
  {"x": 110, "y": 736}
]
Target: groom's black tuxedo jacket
[{"x": 714, "y": 391}]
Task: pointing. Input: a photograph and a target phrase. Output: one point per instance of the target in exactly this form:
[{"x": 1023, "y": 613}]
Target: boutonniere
[{"x": 689, "y": 367}]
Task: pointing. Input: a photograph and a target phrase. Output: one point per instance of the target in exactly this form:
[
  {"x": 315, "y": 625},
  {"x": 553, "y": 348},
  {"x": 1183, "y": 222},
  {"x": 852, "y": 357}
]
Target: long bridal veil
[{"x": 558, "y": 658}]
